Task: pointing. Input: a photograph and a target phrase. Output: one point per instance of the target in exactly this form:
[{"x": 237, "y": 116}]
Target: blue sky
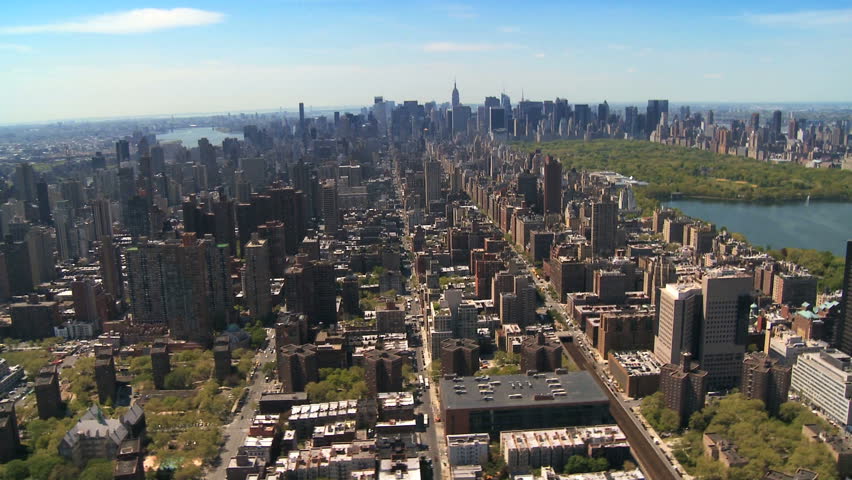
[{"x": 91, "y": 58}]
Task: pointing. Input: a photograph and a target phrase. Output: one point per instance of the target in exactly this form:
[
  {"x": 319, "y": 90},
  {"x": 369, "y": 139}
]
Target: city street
[{"x": 235, "y": 432}]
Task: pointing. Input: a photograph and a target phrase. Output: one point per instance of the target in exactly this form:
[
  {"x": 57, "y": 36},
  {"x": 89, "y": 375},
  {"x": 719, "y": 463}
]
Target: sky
[{"x": 93, "y": 58}]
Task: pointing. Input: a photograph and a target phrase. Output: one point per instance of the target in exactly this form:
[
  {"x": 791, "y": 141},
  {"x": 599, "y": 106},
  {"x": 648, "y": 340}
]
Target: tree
[
  {"x": 17, "y": 470},
  {"x": 669, "y": 420},
  {"x": 41, "y": 464},
  {"x": 178, "y": 379},
  {"x": 97, "y": 470}
]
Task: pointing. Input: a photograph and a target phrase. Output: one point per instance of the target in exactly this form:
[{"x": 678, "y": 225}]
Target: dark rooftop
[{"x": 507, "y": 391}]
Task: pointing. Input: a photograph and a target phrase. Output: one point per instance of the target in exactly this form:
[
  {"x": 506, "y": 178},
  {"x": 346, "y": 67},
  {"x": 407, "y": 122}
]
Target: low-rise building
[
  {"x": 719, "y": 448},
  {"x": 823, "y": 380},
  {"x": 470, "y": 449},
  {"x": 95, "y": 437},
  {"x": 508, "y": 402},
  {"x": 524, "y": 450},
  {"x": 840, "y": 446},
  {"x": 638, "y": 372}
]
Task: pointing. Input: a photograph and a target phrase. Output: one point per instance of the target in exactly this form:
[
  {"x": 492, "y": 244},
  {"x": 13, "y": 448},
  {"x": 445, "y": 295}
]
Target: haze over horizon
[{"x": 93, "y": 60}]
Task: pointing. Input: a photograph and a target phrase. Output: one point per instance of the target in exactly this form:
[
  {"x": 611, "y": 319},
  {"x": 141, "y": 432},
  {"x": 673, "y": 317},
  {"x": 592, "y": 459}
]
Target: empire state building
[{"x": 456, "y": 102}]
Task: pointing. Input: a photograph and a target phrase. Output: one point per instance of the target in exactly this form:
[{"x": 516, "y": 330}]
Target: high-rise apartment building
[
  {"x": 684, "y": 387},
  {"x": 110, "y": 268},
  {"x": 10, "y": 437},
  {"x": 297, "y": 366},
  {"x": 48, "y": 398},
  {"x": 168, "y": 285},
  {"x": 34, "y": 319},
  {"x": 604, "y": 225},
  {"x": 765, "y": 379},
  {"x": 459, "y": 356},
  {"x": 383, "y": 371},
  {"x": 552, "y": 186},
  {"x": 160, "y": 364},
  {"x": 256, "y": 277},
  {"x": 330, "y": 207},
  {"x": 217, "y": 258},
  {"x": 105, "y": 377},
  {"x": 540, "y": 354}
]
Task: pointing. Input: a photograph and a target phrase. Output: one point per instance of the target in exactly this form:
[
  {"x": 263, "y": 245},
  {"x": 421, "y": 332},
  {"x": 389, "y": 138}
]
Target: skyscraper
[
  {"x": 724, "y": 326},
  {"x": 654, "y": 112},
  {"x": 432, "y": 174},
  {"x": 256, "y": 278},
  {"x": 455, "y": 96},
  {"x": 846, "y": 304},
  {"x": 604, "y": 225},
  {"x": 25, "y": 183},
  {"x": 102, "y": 217},
  {"x": 168, "y": 285},
  {"x": 330, "y": 207},
  {"x": 677, "y": 323},
  {"x": 110, "y": 268},
  {"x": 552, "y": 186},
  {"x": 221, "y": 292},
  {"x": 43, "y": 202}
]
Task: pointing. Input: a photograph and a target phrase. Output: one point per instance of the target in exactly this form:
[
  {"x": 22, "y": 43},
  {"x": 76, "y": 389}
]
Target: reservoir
[
  {"x": 190, "y": 136},
  {"x": 816, "y": 225}
]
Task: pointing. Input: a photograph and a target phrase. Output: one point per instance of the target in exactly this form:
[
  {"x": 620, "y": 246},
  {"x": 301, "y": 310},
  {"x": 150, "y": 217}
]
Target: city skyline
[{"x": 92, "y": 60}]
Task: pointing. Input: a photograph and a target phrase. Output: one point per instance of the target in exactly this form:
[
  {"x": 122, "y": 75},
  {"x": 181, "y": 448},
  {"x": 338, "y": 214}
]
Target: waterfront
[
  {"x": 814, "y": 225},
  {"x": 190, "y": 136}
]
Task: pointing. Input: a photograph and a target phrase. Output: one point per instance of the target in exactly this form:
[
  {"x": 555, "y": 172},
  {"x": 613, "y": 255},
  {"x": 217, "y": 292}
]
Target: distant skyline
[{"x": 91, "y": 59}]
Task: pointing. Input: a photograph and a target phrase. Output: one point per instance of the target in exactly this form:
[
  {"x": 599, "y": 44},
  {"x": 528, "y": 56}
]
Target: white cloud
[
  {"x": 617, "y": 46},
  {"x": 509, "y": 29},
  {"x": 444, "y": 47},
  {"x": 631, "y": 70},
  {"x": 713, "y": 76},
  {"x": 140, "y": 20},
  {"x": 539, "y": 55},
  {"x": 805, "y": 18},
  {"x": 14, "y": 47}
]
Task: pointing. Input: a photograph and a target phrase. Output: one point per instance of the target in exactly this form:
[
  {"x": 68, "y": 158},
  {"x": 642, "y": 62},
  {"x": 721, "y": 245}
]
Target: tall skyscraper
[
  {"x": 604, "y": 226},
  {"x": 102, "y": 217},
  {"x": 43, "y": 197},
  {"x": 168, "y": 285},
  {"x": 455, "y": 96},
  {"x": 330, "y": 207},
  {"x": 432, "y": 174},
  {"x": 678, "y": 314},
  {"x": 724, "y": 326},
  {"x": 552, "y": 186},
  {"x": 122, "y": 151},
  {"x": 25, "y": 183},
  {"x": 218, "y": 258},
  {"x": 110, "y": 268},
  {"x": 41, "y": 246},
  {"x": 654, "y": 112},
  {"x": 846, "y": 304},
  {"x": 256, "y": 278}
]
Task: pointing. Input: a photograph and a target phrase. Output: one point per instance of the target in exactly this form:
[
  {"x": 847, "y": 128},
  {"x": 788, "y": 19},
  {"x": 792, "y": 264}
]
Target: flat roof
[{"x": 507, "y": 391}]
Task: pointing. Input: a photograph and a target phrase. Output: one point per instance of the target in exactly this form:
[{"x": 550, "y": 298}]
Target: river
[
  {"x": 190, "y": 136},
  {"x": 817, "y": 225}
]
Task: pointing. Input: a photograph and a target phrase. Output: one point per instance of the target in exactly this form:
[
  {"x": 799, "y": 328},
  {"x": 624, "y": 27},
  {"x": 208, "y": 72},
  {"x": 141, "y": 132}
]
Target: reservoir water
[
  {"x": 817, "y": 225},
  {"x": 190, "y": 136}
]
